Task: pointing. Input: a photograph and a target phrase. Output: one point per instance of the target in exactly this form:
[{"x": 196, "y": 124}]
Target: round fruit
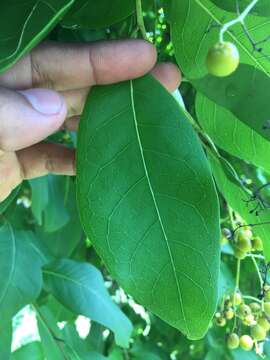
[
  {"x": 264, "y": 323},
  {"x": 267, "y": 295},
  {"x": 255, "y": 307},
  {"x": 244, "y": 310},
  {"x": 239, "y": 254},
  {"x": 233, "y": 341},
  {"x": 222, "y": 59},
  {"x": 266, "y": 307},
  {"x": 249, "y": 320},
  {"x": 229, "y": 314},
  {"x": 221, "y": 321},
  {"x": 236, "y": 298},
  {"x": 246, "y": 342},
  {"x": 243, "y": 244},
  {"x": 258, "y": 332},
  {"x": 226, "y": 233},
  {"x": 257, "y": 244},
  {"x": 244, "y": 232}
]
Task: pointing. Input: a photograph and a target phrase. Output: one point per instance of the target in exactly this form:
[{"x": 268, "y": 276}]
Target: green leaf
[
  {"x": 192, "y": 38},
  {"x": 143, "y": 181},
  {"x": 231, "y": 134},
  {"x": 262, "y": 8},
  {"x": 62, "y": 242},
  {"x": 40, "y": 197},
  {"x": 60, "y": 312},
  {"x": 236, "y": 196},
  {"x": 226, "y": 281},
  {"x": 51, "y": 342},
  {"x": 244, "y": 93},
  {"x": 24, "y": 24},
  {"x": 79, "y": 286},
  {"x": 5, "y": 341},
  {"x": 20, "y": 269},
  {"x": 5, "y": 204},
  {"x": 103, "y": 14},
  {"x": 31, "y": 351}
]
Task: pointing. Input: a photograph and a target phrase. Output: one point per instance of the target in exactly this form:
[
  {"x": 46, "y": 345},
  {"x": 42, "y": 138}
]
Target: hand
[{"x": 57, "y": 78}]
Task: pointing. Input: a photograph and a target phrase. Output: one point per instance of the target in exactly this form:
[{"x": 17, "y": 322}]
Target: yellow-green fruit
[
  {"x": 257, "y": 244},
  {"x": 236, "y": 298},
  {"x": 229, "y": 314},
  {"x": 222, "y": 59},
  {"x": 221, "y": 321},
  {"x": 249, "y": 320},
  {"x": 246, "y": 342},
  {"x": 266, "y": 307},
  {"x": 244, "y": 233},
  {"x": 255, "y": 307},
  {"x": 267, "y": 295},
  {"x": 258, "y": 332},
  {"x": 264, "y": 323},
  {"x": 244, "y": 310},
  {"x": 239, "y": 254},
  {"x": 243, "y": 244},
  {"x": 233, "y": 341}
]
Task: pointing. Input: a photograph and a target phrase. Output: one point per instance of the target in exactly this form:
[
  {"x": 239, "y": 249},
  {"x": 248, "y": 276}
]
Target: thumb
[{"x": 29, "y": 116}]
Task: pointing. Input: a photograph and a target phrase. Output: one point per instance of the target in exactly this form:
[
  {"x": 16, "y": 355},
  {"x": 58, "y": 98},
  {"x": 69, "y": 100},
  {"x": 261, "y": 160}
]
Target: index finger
[{"x": 73, "y": 66}]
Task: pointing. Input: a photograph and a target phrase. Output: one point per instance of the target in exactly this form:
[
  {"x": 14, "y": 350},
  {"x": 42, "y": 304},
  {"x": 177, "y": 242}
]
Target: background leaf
[
  {"x": 31, "y": 22},
  {"x": 31, "y": 351},
  {"x": 18, "y": 286},
  {"x": 80, "y": 288}
]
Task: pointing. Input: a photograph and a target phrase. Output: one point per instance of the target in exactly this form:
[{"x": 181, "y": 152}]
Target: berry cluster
[{"x": 253, "y": 320}]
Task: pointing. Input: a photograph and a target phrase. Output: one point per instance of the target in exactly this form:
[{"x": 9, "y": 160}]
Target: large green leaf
[
  {"x": 98, "y": 15},
  {"x": 24, "y": 24},
  {"x": 5, "y": 341},
  {"x": 31, "y": 351},
  {"x": 192, "y": 38},
  {"x": 245, "y": 93},
  {"x": 236, "y": 196},
  {"x": 20, "y": 269},
  {"x": 80, "y": 287},
  {"x": 231, "y": 134},
  {"x": 143, "y": 185},
  {"x": 262, "y": 8}
]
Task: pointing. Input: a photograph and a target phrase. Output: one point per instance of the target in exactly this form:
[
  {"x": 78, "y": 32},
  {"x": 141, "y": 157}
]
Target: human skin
[{"x": 46, "y": 90}]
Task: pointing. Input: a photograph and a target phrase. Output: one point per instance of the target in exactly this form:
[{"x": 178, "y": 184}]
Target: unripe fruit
[
  {"x": 267, "y": 295},
  {"x": 244, "y": 310},
  {"x": 236, "y": 298},
  {"x": 221, "y": 321},
  {"x": 239, "y": 254},
  {"x": 258, "y": 332},
  {"x": 229, "y": 314},
  {"x": 233, "y": 341},
  {"x": 244, "y": 233},
  {"x": 243, "y": 244},
  {"x": 246, "y": 342},
  {"x": 257, "y": 244},
  {"x": 264, "y": 323},
  {"x": 222, "y": 59},
  {"x": 249, "y": 320},
  {"x": 266, "y": 307},
  {"x": 255, "y": 307}
]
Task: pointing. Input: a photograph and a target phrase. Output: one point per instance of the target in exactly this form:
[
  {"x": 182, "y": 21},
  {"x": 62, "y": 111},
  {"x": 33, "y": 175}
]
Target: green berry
[
  {"x": 257, "y": 243},
  {"x": 258, "y": 332},
  {"x": 249, "y": 320},
  {"x": 266, "y": 307},
  {"x": 239, "y": 254},
  {"x": 244, "y": 310},
  {"x": 229, "y": 314},
  {"x": 264, "y": 323},
  {"x": 233, "y": 341},
  {"x": 267, "y": 295},
  {"x": 236, "y": 298},
  {"x": 255, "y": 307},
  {"x": 243, "y": 243},
  {"x": 222, "y": 59},
  {"x": 246, "y": 342}
]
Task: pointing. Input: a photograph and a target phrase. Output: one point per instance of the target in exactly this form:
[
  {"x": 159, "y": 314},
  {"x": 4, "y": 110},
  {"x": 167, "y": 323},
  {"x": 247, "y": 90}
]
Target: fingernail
[{"x": 47, "y": 102}]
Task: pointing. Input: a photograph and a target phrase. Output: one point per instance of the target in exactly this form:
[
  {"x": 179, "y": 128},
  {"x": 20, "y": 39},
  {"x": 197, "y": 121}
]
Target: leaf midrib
[{"x": 155, "y": 203}]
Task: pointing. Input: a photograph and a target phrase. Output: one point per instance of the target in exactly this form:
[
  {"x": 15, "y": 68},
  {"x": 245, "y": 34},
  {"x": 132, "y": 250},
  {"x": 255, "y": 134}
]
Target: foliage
[{"x": 138, "y": 251}]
